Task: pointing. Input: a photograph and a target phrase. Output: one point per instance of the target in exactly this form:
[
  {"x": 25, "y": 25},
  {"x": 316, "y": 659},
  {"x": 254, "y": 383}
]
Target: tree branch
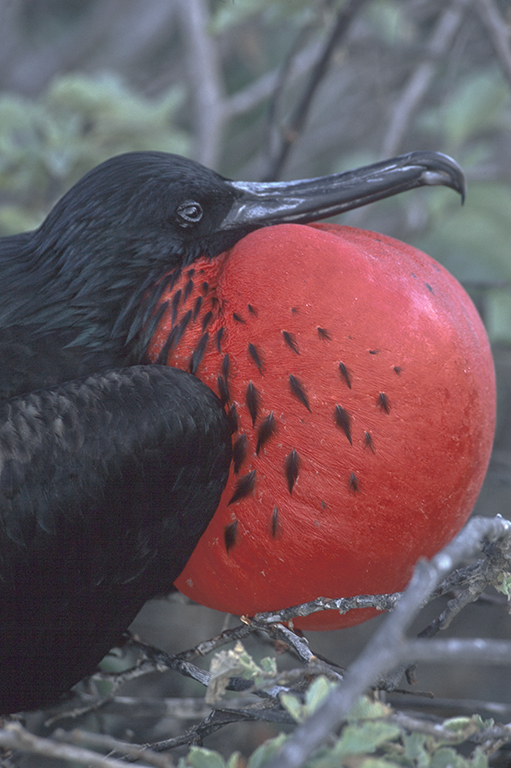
[
  {"x": 389, "y": 647},
  {"x": 498, "y": 32},
  {"x": 419, "y": 81},
  {"x": 206, "y": 82},
  {"x": 297, "y": 122}
]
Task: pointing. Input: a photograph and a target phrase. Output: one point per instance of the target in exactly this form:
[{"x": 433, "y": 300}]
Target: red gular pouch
[{"x": 361, "y": 387}]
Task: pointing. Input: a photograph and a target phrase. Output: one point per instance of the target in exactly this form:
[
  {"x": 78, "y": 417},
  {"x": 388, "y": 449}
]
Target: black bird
[{"x": 111, "y": 468}]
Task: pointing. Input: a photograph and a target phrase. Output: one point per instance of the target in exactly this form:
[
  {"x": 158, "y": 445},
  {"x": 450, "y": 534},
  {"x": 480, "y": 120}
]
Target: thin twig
[
  {"x": 389, "y": 647},
  {"x": 498, "y": 32},
  {"x": 297, "y": 122},
  {"x": 14, "y": 736},
  {"x": 419, "y": 81},
  {"x": 205, "y": 80}
]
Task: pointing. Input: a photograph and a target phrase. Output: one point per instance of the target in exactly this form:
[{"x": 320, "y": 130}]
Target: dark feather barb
[
  {"x": 292, "y": 467},
  {"x": 343, "y": 421},
  {"x": 267, "y": 429},
  {"x": 198, "y": 353},
  {"x": 256, "y": 356},
  {"x": 244, "y": 487},
  {"x": 239, "y": 452},
  {"x": 253, "y": 402},
  {"x": 291, "y": 341},
  {"x": 298, "y": 391},
  {"x": 230, "y": 533}
]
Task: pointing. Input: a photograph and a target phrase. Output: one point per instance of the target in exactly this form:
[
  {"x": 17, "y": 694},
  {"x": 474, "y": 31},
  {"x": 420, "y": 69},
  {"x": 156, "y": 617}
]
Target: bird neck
[
  {"x": 189, "y": 317},
  {"x": 95, "y": 304}
]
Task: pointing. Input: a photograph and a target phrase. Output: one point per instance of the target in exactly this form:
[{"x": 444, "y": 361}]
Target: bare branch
[
  {"x": 111, "y": 745},
  {"x": 205, "y": 80},
  {"x": 498, "y": 32},
  {"x": 250, "y": 97},
  {"x": 297, "y": 122},
  {"x": 14, "y": 736},
  {"x": 389, "y": 647},
  {"x": 419, "y": 81}
]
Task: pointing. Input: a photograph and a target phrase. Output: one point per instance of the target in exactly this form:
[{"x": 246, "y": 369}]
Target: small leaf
[
  {"x": 198, "y": 757},
  {"x": 266, "y": 751},
  {"x": 365, "y": 709},
  {"x": 504, "y": 584},
  {"x": 364, "y": 738},
  {"x": 317, "y": 692},
  {"x": 294, "y": 706}
]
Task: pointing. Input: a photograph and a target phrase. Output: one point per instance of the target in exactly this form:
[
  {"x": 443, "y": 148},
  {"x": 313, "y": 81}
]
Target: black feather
[
  {"x": 244, "y": 487},
  {"x": 230, "y": 534},
  {"x": 219, "y": 336},
  {"x": 176, "y": 298},
  {"x": 368, "y": 442},
  {"x": 223, "y": 389},
  {"x": 198, "y": 353},
  {"x": 291, "y": 342},
  {"x": 197, "y": 307},
  {"x": 188, "y": 290},
  {"x": 267, "y": 430},
  {"x": 292, "y": 465},
  {"x": 253, "y": 402},
  {"x": 343, "y": 421},
  {"x": 298, "y": 391},
  {"x": 239, "y": 452},
  {"x": 275, "y": 523},
  {"x": 346, "y": 375},
  {"x": 206, "y": 320},
  {"x": 383, "y": 402},
  {"x": 354, "y": 483},
  {"x": 256, "y": 356}
]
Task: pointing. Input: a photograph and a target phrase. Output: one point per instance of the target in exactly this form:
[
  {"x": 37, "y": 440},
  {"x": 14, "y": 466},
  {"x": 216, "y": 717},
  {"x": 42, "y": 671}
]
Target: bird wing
[{"x": 106, "y": 485}]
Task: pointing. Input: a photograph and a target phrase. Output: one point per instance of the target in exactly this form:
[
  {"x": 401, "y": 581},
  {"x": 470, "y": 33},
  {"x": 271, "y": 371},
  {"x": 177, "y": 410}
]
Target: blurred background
[{"x": 279, "y": 89}]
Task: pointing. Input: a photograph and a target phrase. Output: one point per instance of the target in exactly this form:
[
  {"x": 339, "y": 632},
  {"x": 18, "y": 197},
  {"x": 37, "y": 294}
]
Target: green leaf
[
  {"x": 367, "y": 709},
  {"x": 366, "y": 737},
  {"x": 415, "y": 749},
  {"x": 447, "y": 757},
  {"x": 504, "y": 583},
  {"x": 198, "y": 757},
  {"x": 294, "y": 706},
  {"x": 266, "y": 751},
  {"x": 236, "y": 663},
  {"x": 316, "y": 693}
]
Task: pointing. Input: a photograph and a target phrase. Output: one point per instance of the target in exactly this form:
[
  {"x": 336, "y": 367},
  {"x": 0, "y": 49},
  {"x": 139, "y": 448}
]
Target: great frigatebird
[{"x": 111, "y": 468}]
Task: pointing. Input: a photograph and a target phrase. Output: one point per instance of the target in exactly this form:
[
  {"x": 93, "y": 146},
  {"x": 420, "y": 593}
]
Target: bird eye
[{"x": 189, "y": 213}]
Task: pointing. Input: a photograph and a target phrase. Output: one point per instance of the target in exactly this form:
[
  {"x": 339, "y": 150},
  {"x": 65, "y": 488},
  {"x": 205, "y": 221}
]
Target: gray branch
[
  {"x": 420, "y": 80},
  {"x": 498, "y": 32},
  {"x": 389, "y": 646},
  {"x": 206, "y": 82}
]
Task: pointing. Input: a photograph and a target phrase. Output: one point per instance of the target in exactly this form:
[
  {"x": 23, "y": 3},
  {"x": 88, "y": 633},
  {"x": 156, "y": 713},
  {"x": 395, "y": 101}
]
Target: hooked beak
[{"x": 262, "y": 204}]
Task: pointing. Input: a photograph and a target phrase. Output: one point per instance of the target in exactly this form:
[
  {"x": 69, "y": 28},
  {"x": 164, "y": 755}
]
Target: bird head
[{"x": 142, "y": 215}]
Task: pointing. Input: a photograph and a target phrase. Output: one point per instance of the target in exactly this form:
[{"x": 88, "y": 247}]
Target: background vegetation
[{"x": 271, "y": 89}]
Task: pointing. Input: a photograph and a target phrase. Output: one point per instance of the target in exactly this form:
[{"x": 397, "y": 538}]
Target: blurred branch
[
  {"x": 448, "y": 23},
  {"x": 290, "y": 133},
  {"x": 389, "y": 646},
  {"x": 14, "y": 737},
  {"x": 498, "y": 32},
  {"x": 206, "y": 82},
  {"x": 31, "y": 66},
  {"x": 250, "y": 97}
]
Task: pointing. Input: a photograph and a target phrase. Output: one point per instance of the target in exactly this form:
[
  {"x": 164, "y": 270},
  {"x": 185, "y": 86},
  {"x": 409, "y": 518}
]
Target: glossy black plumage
[{"x": 110, "y": 469}]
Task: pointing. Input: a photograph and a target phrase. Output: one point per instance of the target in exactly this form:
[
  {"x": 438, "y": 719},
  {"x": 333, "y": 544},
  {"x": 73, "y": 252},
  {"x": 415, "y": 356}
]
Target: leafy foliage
[
  {"x": 371, "y": 738},
  {"x": 49, "y": 143}
]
